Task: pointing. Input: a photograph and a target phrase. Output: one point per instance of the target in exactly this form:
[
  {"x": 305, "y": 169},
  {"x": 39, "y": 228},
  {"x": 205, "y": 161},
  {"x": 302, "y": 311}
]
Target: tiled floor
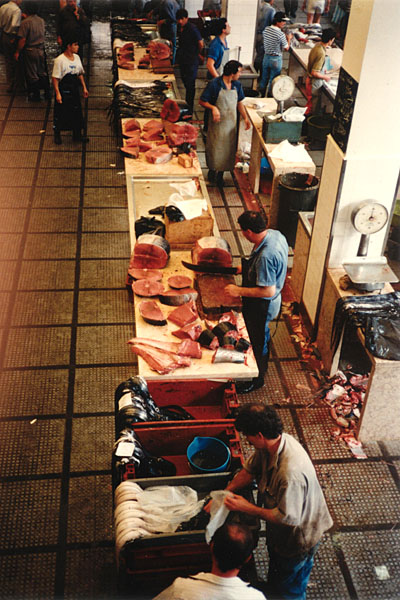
[{"x": 65, "y": 319}]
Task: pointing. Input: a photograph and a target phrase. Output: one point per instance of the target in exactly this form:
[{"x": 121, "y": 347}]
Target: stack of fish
[
  {"x": 126, "y": 29},
  {"x": 141, "y": 101}
]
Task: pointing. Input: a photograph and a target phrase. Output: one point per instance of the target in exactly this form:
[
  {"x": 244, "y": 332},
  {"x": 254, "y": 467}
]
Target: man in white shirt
[
  {"x": 231, "y": 548},
  {"x": 10, "y": 20}
]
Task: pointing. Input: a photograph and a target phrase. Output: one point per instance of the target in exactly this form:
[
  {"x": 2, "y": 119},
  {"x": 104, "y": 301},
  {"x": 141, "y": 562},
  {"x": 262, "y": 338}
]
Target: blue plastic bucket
[{"x": 208, "y": 455}]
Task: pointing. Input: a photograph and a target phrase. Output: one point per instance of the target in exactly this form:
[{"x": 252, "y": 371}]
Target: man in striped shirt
[{"x": 275, "y": 41}]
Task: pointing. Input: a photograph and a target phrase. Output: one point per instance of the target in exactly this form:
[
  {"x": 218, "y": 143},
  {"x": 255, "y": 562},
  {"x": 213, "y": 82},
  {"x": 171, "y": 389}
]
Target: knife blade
[{"x": 210, "y": 269}]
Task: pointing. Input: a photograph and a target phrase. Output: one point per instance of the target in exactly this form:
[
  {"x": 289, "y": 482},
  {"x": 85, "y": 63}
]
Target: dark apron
[
  {"x": 68, "y": 115},
  {"x": 255, "y": 313}
]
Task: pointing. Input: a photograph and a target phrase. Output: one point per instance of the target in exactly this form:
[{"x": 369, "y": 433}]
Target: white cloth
[
  {"x": 10, "y": 17},
  {"x": 206, "y": 586},
  {"x": 63, "y": 66}
]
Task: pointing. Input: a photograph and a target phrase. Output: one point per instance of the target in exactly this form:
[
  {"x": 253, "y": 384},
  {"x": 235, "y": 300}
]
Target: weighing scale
[
  {"x": 368, "y": 275},
  {"x": 282, "y": 89}
]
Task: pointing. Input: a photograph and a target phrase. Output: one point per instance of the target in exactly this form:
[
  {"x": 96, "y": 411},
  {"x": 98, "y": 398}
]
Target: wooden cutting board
[{"x": 213, "y": 301}]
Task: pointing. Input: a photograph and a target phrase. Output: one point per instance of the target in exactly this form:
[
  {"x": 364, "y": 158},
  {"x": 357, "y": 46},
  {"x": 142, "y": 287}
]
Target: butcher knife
[{"x": 211, "y": 269}]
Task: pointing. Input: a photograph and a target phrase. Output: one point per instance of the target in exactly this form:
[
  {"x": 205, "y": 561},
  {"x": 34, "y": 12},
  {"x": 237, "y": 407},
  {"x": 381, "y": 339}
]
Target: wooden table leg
[{"x": 255, "y": 162}]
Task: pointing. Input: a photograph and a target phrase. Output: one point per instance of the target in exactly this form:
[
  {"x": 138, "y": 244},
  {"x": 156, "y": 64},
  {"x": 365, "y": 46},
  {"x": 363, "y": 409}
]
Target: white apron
[{"x": 221, "y": 136}]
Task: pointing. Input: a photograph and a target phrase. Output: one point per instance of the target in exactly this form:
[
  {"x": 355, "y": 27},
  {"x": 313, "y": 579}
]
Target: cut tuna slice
[
  {"x": 147, "y": 287},
  {"x": 128, "y": 47},
  {"x": 152, "y": 313},
  {"x": 131, "y": 151},
  {"x": 178, "y": 282},
  {"x": 183, "y": 315},
  {"x": 159, "y": 50},
  {"x": 152, "y": 135},
  {"x": 190, "y": 348},
  {"x": 212, "y": 250},
  {"x": 160, "y": 360},
  {"x": 144, "y": 146},
  {"x": 153, "y": 125},
  {"x": 158, "y": 155},
  {"x": 177, "y": 297},
  {"x": 145, "y": 273},
  {"x": 132, "y": 125},
  {"x": 190, "y": 331},
  {"x": 135, "y": 134},
  {"x": 169, "y": 346},
  {"x": 132, "y": 141},
  {"x": 150, "y": 252}
]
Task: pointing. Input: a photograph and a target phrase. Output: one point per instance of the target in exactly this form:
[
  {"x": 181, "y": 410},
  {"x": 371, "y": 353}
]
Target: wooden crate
[{"x": 183, "y": 234}]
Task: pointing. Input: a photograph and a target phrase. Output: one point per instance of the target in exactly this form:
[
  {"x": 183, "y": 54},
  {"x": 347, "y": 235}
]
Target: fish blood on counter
[{"x": 150, "y": 252}]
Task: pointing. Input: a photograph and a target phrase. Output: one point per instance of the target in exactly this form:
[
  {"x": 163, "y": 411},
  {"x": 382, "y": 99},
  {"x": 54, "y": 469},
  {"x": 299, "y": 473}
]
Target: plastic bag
[
  {"x": 149, "y": 225},
  {"x": 382, "y": 337},
  {"x": 294, "y": 114},
  {"x": 218, "y": 512}
]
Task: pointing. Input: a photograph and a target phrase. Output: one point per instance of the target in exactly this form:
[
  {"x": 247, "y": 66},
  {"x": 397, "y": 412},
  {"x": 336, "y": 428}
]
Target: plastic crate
[
  {"x": 206, "y": 401},
  {"x": 171, "y": 444},
  {"x": 149, "y": 564}
]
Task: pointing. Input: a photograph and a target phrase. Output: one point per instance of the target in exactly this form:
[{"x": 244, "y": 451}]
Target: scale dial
[
  {"x": 282, "y": 88},
  {"x": 369, "y": 217}
]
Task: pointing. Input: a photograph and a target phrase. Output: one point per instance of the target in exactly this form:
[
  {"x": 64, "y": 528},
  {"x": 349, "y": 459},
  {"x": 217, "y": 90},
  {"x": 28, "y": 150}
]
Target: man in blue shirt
[
  {"x": 263, "y": 277},
  {"x": 218, "y": 51},
  {"x": 189, "y": 53}
]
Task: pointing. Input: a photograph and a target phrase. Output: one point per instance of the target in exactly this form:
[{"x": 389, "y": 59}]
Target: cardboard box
[{"x": 183, "y": 234}]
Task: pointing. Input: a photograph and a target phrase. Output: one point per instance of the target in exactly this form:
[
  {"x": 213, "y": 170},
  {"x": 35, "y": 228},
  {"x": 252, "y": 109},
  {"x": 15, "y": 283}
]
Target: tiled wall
[{"x": 242, "y": 16}]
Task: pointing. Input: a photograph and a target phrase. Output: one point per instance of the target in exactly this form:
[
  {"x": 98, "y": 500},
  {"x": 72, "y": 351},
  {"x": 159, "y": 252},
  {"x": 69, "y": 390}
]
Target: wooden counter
[
  {"x": 144, "y": 194},
  {"x": 278, "y": 165},
  {"x": 380, "y": 417},
  {"x": 140, "y": 167}
]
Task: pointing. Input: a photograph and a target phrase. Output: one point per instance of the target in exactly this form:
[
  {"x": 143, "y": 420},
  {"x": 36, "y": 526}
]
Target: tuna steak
[
  {"x": 159, "y": 50},
  {"x": 145, "y": 274},
  {"x": 153, "y": 124},
  {"x": 181, "y": 133},
  {"x": 177, "y": 297},
  {"x": 151, "y": 312},
  {"x": 158, "y": 155},
  {"x": 178, "y": 282},
  {"x": 183, "y": 315},
  {"x": 190, "y": 348},
  {"x": 152, "y": 135},
  {"x": 132, "y": 125},
  {"x": 212, "y": 250},
  {"x": 191, "y": 331},
  {"x": 131, "y": 151},
  {"x": 147, "y": 287},
  {"x": 150, "y": 252}
]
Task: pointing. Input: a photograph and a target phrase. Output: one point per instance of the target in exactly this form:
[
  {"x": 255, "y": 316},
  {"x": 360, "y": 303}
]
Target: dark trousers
[
  {"x": 255, "y": 313},
  {"x": 188, "y": 75}
]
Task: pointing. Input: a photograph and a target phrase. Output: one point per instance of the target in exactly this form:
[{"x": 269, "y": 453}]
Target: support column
[{"x": 362, "y": 157}]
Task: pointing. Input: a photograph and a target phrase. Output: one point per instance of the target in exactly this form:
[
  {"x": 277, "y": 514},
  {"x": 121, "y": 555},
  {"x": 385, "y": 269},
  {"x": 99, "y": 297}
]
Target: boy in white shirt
[{"x": 67, "y": 75}]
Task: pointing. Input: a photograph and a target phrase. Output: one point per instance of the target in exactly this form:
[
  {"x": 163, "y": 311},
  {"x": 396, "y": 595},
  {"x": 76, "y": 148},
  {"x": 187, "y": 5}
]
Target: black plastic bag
[
  {"x": 382, "y": 337},
  {"x": 149, "y": 225}
]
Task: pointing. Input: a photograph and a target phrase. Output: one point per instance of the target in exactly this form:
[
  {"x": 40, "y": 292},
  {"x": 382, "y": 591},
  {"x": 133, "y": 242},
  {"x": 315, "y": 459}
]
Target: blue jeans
[
  {"x": 271, "y": 68},
  {"x": 288, "y": 577}
]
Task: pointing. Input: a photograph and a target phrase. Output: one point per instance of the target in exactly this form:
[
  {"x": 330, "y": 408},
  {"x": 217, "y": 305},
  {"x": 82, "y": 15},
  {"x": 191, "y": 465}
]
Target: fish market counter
[
  {"x": 143, "y": 195},
  {"x": 380, "y": 417},
  {"x": 297, "y": 69},
  {"x": 279, "y": 166},
  {"x": 140, "y": 167},
  {"x": 138, "y": 74}
]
